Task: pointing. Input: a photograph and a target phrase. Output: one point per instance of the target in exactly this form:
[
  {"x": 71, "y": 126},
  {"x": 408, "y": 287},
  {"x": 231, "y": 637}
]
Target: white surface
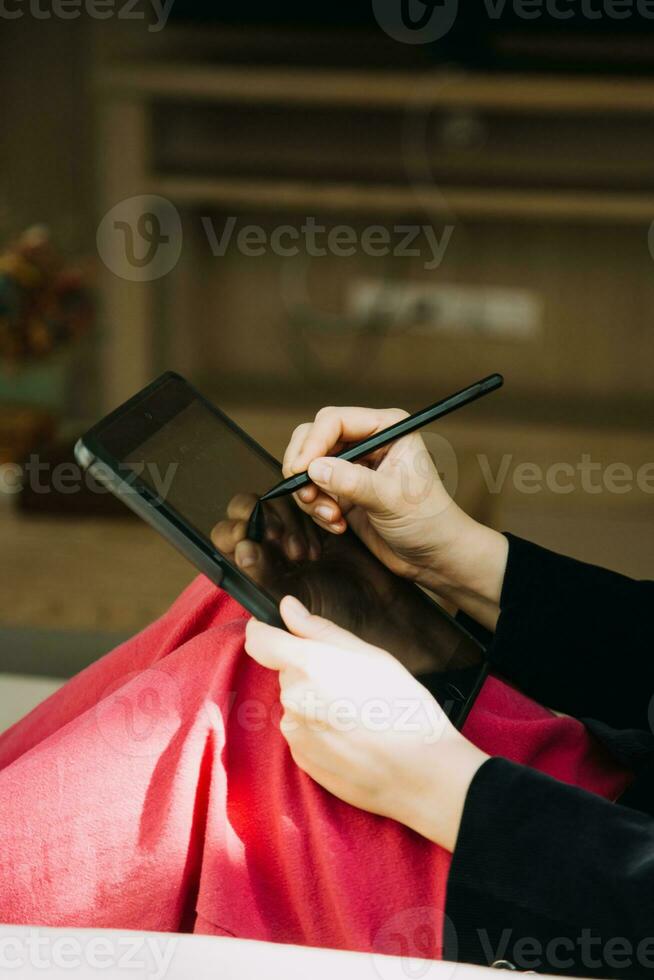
[
  {"x": 88, "y": 954},
  {"x": 20, "y": 693}
]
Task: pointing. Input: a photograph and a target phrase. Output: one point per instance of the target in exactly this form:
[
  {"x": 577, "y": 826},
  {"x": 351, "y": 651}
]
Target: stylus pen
[{"x": 403, "y": 428}]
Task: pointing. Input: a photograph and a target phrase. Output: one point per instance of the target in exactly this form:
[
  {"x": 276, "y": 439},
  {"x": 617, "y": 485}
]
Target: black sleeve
[
  {"x": 550, "y": 878},
  {"x": 577, "y": 638}
]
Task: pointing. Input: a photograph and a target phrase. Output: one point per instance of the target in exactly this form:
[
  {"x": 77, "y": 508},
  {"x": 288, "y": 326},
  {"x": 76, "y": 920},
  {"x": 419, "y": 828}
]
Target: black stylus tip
[
  {"x": 281, "y": 489},
  {"x": 256, "y": 524}
]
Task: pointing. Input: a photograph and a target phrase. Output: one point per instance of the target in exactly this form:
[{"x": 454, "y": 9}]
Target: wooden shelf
[
  {"x": 477, "y": 203},
  {"x": 381, "y": 89},
  {"x": 528, "y": 120}
]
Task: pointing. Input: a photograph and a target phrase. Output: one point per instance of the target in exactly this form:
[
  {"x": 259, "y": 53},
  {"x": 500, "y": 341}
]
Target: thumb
[
  {"x": 303, "y": 624},
  {"x": 356, "y": 483},
  {"x": 274, "y": 648}
]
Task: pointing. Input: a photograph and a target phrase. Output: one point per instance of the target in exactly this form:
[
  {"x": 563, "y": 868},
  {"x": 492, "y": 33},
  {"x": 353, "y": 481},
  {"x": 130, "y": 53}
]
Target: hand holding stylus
[{"x": 397, "y": 504}]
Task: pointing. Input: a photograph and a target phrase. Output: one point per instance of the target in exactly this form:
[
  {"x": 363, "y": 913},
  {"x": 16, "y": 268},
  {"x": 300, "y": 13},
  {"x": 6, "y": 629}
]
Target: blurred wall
[{"x": 46, "y": 138}]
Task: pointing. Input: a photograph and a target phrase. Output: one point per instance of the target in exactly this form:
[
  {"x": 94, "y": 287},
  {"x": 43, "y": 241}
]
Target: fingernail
[
  {"x": 320, "y": 472},
  {"x": 305, "y": 494},
  {"x": 294, "y": 547},
  {"x": 325, "y": 512},
  {"x": 247, "y": 557}
]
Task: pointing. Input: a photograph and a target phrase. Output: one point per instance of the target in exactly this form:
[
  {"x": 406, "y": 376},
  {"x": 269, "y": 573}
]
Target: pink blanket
[{"x": 154, "y": 791}]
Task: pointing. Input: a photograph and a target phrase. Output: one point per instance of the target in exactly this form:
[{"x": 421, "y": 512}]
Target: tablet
[{"x": 188, "y": 470}]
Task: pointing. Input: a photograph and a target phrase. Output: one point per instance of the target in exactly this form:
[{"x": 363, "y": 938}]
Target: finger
[
  {"x": 251, "y": 559},
  {"x": 273, "y": 528},
  {"x": 335, "y": 527},
  {"x": 295, "y": 444},
  {"x": 327, "y": 513},
  {"x": 321, "y": 507},
  {"x": 227, "y": 534},
  {"x": 241, "y": 506},
  {"x": 295, "y": 542},
  {"x": 300, "y": 703},
  {"x": 358, "y": 484},
  {"x": 274, "y": 648},
  {"x": 302, "y": 540},
  {"x": 306, "y": 495},
  {"x": 303, "y": 624},
  {"x": 335, "y": 426},
  {"x": 327, "y": 510},
  {"x": 275, "y": 521},
  {"x": 313, "y": 538}
]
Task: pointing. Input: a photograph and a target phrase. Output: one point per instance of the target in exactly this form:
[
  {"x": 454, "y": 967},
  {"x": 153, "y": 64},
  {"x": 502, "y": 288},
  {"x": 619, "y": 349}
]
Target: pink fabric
[{"x": 154, "y": 791}]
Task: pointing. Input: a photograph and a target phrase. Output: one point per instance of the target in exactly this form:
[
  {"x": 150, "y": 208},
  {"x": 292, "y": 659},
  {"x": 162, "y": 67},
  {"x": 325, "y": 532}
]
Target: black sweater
[{"x": 546, "y": 876}]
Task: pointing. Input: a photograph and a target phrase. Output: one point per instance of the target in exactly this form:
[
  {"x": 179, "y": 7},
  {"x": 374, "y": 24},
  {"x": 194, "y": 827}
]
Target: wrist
[
  {"x": 471, "y": 564},
  {"x": 437, "y": 810}
]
